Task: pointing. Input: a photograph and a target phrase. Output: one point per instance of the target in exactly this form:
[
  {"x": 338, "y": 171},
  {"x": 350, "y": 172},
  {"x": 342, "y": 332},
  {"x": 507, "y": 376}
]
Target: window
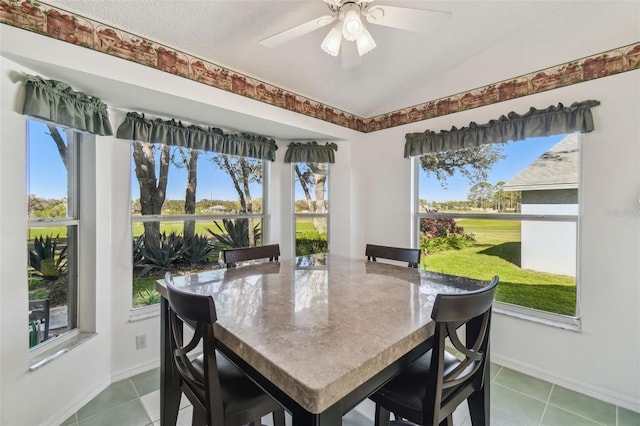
[
  {"x": 187, "y": 206},
  {"x": 311, "y": 198},
  {"x": 54, "y": 221},
  {"x": 509, "y": 210}
]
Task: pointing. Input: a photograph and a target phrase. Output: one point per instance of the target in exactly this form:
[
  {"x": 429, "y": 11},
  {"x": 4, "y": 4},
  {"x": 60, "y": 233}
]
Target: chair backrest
[
  {"x": 412, "y": 256},
  {"x": 196, "y": 380},
  {"x": 233, "y": 255},
  {"x": 451, "y": 312}
]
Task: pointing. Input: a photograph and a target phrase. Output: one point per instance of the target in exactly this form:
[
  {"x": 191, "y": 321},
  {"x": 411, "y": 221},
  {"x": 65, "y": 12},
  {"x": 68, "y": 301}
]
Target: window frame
[
  {"x": 297, "y": 215},
  {"x": 81, "y": 204},
  {"x": 146, "y": 311},
  {"x": 568, "y": 322}
]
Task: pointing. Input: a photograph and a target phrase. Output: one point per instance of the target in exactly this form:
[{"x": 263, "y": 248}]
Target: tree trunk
[
  {"x": 62, "y": 148},
  {"x": 190, "y": 196},
  {"x": 320, "y": 178},
  {"x": 152, "y": 190},
  {"x": 246, "y": 172},
  {"x": 236, "y": 184},
  {"x": 305, "y": 189}
]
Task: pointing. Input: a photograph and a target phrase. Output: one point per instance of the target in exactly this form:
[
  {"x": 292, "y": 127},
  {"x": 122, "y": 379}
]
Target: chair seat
[
  {"x": 406, "y": 391},
  {"x": 240, "y": 396}
]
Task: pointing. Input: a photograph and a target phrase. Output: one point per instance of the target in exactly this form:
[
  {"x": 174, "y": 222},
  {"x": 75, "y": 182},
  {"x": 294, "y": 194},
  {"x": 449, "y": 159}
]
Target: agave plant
[
  {"x": 197, "y": 250},
  {"x": 48, "y": 258},
  {"x": 235, "y": 233},
  {"x": 138, "y": 244},
  {"x": 160, "y": 253}
]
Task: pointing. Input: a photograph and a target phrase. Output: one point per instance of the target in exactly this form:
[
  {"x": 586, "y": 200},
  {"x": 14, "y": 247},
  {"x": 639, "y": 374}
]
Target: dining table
[{"x": 319, "y": 333}]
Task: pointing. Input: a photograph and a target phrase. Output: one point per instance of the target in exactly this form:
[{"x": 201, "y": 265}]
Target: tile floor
[{"x": 516, "y": 399}]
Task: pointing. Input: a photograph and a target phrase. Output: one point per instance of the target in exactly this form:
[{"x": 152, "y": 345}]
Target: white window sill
[
  {"x": 139, "y": 314},
  {"x": 540, "y": 317},
  {"x": 49, "y": 351}
]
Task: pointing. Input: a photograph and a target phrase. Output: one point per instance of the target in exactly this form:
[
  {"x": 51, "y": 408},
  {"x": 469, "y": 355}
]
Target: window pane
[
  {"x": 311, "y": 187},
  {"x": 311, "y": 235},
  {"x": 538, "y": 273},
  {"x": 493, "y": 178},
  {"x": 469, "y": 207},
  {"x": 48, "y": 158},
  {"x": 52, "y": 244},
  {"x": 193, "y": 182},
  {"x": 175, "y": 181}
]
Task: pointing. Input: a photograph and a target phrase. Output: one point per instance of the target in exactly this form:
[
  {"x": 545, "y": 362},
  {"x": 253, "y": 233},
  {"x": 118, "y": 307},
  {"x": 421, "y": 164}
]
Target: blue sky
[
  {"x": 47, "y": 175},
  {"x": 213, "y": 183},
  {"x": 48, "y": 180}
]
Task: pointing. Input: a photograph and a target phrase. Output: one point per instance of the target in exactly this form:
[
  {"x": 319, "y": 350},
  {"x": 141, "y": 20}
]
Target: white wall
[
  {"x": 43, "y": 395},
  {"x": 371, "y": 202},
  {"x": 603, "y": 359},
  {"x": 61, "y": 387}
]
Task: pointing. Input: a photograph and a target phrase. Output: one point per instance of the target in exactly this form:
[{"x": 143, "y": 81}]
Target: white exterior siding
[{"x": 549, "y": 246}]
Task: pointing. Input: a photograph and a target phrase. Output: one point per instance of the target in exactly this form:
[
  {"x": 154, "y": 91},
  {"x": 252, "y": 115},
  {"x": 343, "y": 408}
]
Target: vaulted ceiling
[{"x": 398, "y": 73}]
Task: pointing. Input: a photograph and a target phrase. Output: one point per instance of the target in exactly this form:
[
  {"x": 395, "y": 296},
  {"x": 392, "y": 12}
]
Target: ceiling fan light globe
[
  {"x": 365, "y": 43},
  {"x": 331, "y": 43},
  {"x": 352, "y": 26}
]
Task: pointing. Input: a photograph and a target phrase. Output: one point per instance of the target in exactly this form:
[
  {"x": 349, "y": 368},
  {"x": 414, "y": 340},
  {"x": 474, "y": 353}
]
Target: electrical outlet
[{"x": 141, "y": 341}]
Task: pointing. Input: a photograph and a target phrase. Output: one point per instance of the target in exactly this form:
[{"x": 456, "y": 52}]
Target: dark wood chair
[
  {"x": 234, "y": 255},
  {"x": 221, "y": 394},
  {"x": 412, "y": 256},
  {"x": 429, "y": 390}
]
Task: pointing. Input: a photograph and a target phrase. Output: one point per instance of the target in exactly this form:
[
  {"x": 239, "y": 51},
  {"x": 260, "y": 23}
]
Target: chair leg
[
  {"x": 278, "y": 417},
  {"x": 479, "y": 407},
  {"x": 198, "y": 418},
  {"x": 448, "y": 421},
  {"x": 382, "y": 416}
]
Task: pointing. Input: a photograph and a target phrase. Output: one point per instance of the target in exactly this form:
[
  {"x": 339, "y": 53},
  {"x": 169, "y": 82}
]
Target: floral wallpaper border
[{"x": 57, "y": 23}]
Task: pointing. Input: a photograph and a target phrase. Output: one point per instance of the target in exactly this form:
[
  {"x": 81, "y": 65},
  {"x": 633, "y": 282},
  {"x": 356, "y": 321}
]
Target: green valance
[
  {"x": 57, "y": 102},
  {"x": 171, "y": 132},
  {"x": 310, "y": 152},
  {"x": 513, "y": 127},
  {"x": 253, "y": 146}
]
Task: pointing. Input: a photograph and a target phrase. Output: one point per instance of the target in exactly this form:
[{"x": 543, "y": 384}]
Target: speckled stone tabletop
[{"x": 318, "y": 327}]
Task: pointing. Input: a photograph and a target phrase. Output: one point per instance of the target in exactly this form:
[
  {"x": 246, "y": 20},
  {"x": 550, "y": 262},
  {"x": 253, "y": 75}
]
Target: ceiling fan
[{"x": 347, "y": 19}]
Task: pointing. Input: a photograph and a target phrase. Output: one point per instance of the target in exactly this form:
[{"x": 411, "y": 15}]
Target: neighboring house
[
  {"x": 218, "y": 209},
  {"x": 549, "y": 186}
]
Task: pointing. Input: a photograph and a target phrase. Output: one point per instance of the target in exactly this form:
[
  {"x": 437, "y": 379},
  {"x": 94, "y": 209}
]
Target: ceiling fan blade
[
  {"x": 297, "y": 31},
  {"x": 416, "y": 20},
  {"x": 350, "y": 57}
]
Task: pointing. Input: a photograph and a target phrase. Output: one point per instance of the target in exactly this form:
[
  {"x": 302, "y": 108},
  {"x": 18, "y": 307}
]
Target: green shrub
[
  {"x": 311, "y": 243},
  {"x": 440, "y": 244},
  {"x": 439, "y": 227},
  {"x": 58, "y": 291},
  {"x": 147, "y": 297}
]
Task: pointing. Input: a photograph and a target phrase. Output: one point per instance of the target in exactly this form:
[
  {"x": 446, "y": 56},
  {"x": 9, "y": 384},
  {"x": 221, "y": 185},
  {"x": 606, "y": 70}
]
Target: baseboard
[
  {"x": 134, "y": 370},
  {"x": 575, "y": 385},
  {"x": 89, "y": 395},
  {"x": 74, "y": 406}
]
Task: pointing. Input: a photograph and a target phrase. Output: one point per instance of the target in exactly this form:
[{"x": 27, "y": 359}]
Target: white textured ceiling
[{"x": 228, "y": 33}]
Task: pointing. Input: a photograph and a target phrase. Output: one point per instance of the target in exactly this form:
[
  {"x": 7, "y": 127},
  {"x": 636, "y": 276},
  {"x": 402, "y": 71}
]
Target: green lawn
[
  {"x": 304, "y": 224},
  {"x": 498, "y": 253},
  {"x": 178, "y": 227}
]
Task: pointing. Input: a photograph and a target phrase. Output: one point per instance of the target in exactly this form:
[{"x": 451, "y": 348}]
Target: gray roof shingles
[{"x": 555, "y": 169}]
